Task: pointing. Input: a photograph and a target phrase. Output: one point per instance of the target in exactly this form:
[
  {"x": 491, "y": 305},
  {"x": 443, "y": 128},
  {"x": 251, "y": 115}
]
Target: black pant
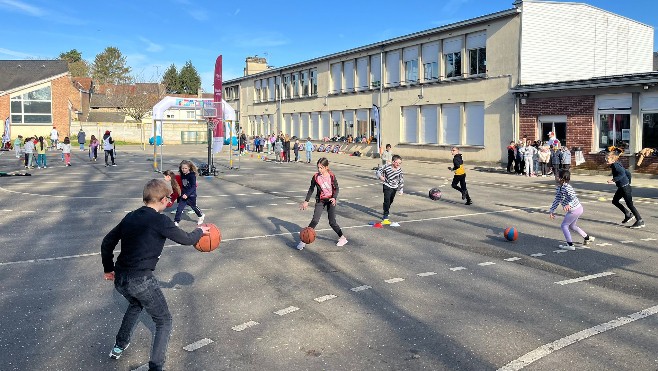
[
  {"x": 331, "y": 210},
  {"x": 544, "y": 167},
  {"x": 510, "y": 164},
  {"x": 389, "y": 196},
  {"x": 109, "y": 152},
  {"x": 461, "y": 180},
  {"x": 626, "y": 193}
]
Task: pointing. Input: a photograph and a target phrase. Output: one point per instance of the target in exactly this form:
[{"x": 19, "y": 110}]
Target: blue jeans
[
  {"x": 41, "y": 160},
  {"x": 308, "y": 156},
  {"x": 143, "y": 293}
]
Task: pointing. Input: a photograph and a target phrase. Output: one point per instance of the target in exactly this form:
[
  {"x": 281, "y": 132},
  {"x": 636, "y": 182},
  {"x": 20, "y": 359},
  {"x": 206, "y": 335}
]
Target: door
[{"x": 558, "y": 128}]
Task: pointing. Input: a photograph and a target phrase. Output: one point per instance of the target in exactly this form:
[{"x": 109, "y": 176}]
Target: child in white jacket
[{"x": 528, "y": 153}]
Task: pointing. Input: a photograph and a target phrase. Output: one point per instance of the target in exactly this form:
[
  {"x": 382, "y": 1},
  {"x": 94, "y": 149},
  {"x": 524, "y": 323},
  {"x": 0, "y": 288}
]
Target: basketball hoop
[{"x": 212, "y": 123}]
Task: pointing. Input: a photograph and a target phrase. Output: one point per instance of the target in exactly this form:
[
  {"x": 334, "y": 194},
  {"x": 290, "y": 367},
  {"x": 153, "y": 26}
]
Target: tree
[
  {"x": 189, "y": 79},
  {"x": 138, "y": 101},
  {"x": 171, "y": 80},
  {"x": 78, "y": 67},
  {"x": 109, "y": 67}
]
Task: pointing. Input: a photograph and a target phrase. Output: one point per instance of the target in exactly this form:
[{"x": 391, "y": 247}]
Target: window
[
  {"x": 452, "y": 57},
  {"x": 375, "y": 71},
  {"x": 348, "y": 72},
  {"x": 34, "y": 107},
  {"x": 649, "y": 130},
  {"x": 286, "y": 87},
  {"x": 614, "y": 130},
  {"x": 304, "y": 82},
  {"x": 362, "y": 74},
  {"x": 451, "y": 118},
  {"x": 271, "y": 89},
  {"x": 431, "y": 62},
  {"x": 277, "y": 88},
  {"x": 409, "y": 124},
  {"x": 257, "y": 91},
  {"x": 190, "y": 114},
  {"x": 336, "y": 78},
  {"x": 295, "y": 85},
  {"x": 410, "y": 56},
  {"x": 429, "y": 124},
  {"x": 477, "y": 53},
  {"x": 474, "y": 122},
  {"x": 314, "y": 81},
  {"x": 264, "y": 94},
  {"x": 393, "y": 68},
  {"x": 315, "y": 126}
]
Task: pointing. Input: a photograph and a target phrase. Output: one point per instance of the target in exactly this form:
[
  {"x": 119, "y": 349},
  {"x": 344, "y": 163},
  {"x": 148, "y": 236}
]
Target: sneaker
[
  {"x": 191, "y": 212},
  {"x": 176, "y": 224},
  {"x": 342, "y": 241},
  {"x": 628, "y": 218},
  {"x": 114, "y": 164},
  {"x": 300, "y": 245},
  {"x": 567, "y": 247},
  {"x": 201, "y": 218},
  {"x": 638, "y": 224},
  {"x": 469, "y": 202},
  {"x": 588, "y": 239},
  {"x": 117, "y": 351},
  {"x": 173, "y": 212},
  {"x": 385, "y": 222}
]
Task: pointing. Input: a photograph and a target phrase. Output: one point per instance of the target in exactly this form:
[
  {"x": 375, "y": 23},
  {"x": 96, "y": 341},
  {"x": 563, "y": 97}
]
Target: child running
[
  {"x": 566, "y": 196},
  {"x": 170, "y": 177},
  {"x": 393, "y": 181},
  {"x": 93, "y": 148},
  {"x": 622, "y": 179},
  {"x": 188, "y": 171},
  {"x": 324, "y": 181}
]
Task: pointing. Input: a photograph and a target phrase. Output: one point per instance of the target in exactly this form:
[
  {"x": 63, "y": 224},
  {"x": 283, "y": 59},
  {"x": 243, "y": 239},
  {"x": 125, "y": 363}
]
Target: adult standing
[
  {"x": 459, "y": 179},
  {"x": 108, "y": 147},
  {"x": 54, "y": 137},
  {"x": 82, "y": 139}
]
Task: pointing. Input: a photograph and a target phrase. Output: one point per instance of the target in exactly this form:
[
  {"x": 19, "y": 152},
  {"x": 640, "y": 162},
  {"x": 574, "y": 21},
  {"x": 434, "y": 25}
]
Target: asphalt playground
[{"x": 442, "y": 291}]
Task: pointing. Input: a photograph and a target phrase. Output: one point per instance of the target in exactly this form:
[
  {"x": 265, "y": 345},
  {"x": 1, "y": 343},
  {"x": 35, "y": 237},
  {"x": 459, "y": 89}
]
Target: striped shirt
[
  {"x": 565, "y": 195},
  {"x": 392, "y": 178}
]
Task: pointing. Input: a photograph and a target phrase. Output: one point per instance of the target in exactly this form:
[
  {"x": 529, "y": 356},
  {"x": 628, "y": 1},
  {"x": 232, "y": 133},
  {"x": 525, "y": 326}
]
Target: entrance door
[{"x": 558, "y": 128}]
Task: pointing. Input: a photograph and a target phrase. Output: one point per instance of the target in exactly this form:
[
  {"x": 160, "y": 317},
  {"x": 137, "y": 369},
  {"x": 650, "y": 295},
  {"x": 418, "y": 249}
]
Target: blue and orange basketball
[{"x": 511, "y": 234}]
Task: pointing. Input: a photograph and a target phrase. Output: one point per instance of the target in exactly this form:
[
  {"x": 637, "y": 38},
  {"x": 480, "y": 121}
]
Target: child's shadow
[{"x": 283, "y": 227}]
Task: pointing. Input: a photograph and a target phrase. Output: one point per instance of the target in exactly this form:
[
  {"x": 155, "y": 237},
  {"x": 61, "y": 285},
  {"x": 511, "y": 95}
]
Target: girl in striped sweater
[{"x": 566, "y": 196}]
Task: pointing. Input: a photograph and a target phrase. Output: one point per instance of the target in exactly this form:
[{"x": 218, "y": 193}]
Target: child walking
[
  {"x": 18, "y": 144},
  {"x": 29, "y": 152},
  {"x": 622, "y": 179},
  {"x": 66, "y": 150},
  {"x": 326, "y": 185},
  {"x": 566, "y": 196},
  {"x": 309, "y": 149},
  {"x": 143, "y": 233},
  {"x": 393, "y": 181},
  {"x": 42, "y": 146},
  {"x": 188, "y": 171},
  {"x": 93, "y": 148}
]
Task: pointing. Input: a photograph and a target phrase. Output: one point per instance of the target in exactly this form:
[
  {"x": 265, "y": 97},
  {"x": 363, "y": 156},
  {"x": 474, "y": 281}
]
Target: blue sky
[{"x": 155, "y": 34}]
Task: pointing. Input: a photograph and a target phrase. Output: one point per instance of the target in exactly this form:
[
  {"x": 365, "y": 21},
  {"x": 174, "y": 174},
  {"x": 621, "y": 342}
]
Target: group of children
[
  {"x": 32, "y": 151},
  {"x": 534, "y": 159}
]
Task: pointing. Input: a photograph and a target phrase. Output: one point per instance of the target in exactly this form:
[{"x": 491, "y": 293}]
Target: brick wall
[{"x": 62, "y": 93}]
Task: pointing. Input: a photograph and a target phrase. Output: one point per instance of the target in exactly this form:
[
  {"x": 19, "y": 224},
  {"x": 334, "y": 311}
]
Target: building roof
[
  {"x": 106, "y": 117},
  {"x": 83, "y": 83},
  {"x": 104, "y": 101},
  {"x": 382, "y": 44},
  {"x": 17, "y": 73},
  {"x": 634, "y": 79}
]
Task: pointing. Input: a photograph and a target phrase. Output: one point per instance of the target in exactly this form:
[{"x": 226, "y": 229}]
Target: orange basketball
[
  {"x": 209, "y": 242},
  {"x": 307, "y": 235}
]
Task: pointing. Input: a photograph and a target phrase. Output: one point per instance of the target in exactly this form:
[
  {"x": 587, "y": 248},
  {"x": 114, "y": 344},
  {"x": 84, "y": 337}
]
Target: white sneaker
[
  {"x": 567, "y": 247},
  {"x": 342, "y": 241},
  {"x": 176, "y": 224},
  {"x": 201, "y": 218},
  {"x": 173, "y": 212},
  {"x": 301, "y": 245}
]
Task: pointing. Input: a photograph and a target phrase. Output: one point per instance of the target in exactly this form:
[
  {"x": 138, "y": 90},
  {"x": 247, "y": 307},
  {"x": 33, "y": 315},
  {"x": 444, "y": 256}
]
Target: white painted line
[
  {"x": 143, "y": 367},
  {"x": 394, "y": 280},
  {"x": 274, "y": 204},
  {"x": 584, "y": 278},
  {"x": 230, "y": 207},
  {"x": 486, "y": 263},
  {"x": 51, "y": 259},
  {"x": 603, "y": 244},
  {"x": 512, "y": 259},
  {"x": 426, "y": 274},
  {"x": 457, "y": 269},
  {"x": 537, "y": 255},
  {"x": 290, "y": 203},
  {"x": 361, "y": 288},
  {"x": 250, "y": 206},
  {"x": 285, "y": 311},
  {"x": 325, "y": 298},
  {"x": 13, "y": 210},
  {"x": 240, "y": 194},
  {"x": 549, "y": 348},
  {"x": 244, "y": 326},
  {"x": 28, "y": 211},
  {"x": 560, "y": 251},
  {"x": 643, "y": 239},
  {"x": 626, "y": 241},
  {"x": 198, "y": 344}
]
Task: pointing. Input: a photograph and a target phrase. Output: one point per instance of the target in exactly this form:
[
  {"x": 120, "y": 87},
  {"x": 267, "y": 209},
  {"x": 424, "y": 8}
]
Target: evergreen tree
[
  {"x": 110, "y": 67},
  {"x": 171, "y": 80},
  {"x": 78, "y": 67},
  {"x": 189, "y": 79}
]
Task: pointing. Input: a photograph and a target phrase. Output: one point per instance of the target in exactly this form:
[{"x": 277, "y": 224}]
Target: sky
[{"x": 153, "y": 35}]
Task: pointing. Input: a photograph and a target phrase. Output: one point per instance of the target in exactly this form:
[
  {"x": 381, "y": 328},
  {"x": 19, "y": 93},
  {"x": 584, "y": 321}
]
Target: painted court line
[
  {"x": 361, "y": 288},
  {"x": 486, "y": 263},
  {"x": 198, "y": 344},
  {"x": 537, "y": 255},
  {"x": 454, "y": 269},
  {"x": 426, "y": 274},
  {"x": 584, "y": 278},
  {"x": 325, "y": 298},
  {"x": 512, "y": 259},
  {"x": 244, "y": 326},
  {"x": 284, "y": 311},
  {"x": 549, "y": 348},
  {"x": 394, "y": 280}
]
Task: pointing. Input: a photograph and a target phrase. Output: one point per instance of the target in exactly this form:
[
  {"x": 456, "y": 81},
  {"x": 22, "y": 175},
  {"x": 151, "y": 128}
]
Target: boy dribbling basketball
[{"x": 143, "y": 233}]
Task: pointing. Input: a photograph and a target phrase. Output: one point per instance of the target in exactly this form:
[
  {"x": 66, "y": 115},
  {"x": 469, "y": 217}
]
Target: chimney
[{"x": 254, "y": 65}]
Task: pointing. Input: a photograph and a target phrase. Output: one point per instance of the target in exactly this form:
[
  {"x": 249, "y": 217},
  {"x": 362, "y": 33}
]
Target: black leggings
[
  {"x": 331, "y": 210},
  {"x": 389, "y": 196},
  {"x": 626, "y": 193}
]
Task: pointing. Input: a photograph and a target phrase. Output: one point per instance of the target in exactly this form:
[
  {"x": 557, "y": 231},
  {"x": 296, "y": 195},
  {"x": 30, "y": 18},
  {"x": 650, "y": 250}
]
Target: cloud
[
  {"x": 151, "y": 46},
  {"x": 21, "y": 7},
  {"x": 16, "y": 54},
  {"x": 236, "y": 12}
]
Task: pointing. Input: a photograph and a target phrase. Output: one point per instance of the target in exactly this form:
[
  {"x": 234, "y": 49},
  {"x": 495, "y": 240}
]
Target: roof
[
  {"x": 83, "y": 83},
  {"x": 17, "y": 73},
  {"x": 382, "y": 44},
  {"x": 634, "y": 79},
  {"x": 106, "y": 117},
  {"x": 103, "y": 100}
]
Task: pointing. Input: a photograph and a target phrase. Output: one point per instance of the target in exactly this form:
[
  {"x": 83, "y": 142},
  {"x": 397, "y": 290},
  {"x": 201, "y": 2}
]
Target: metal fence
[{"x": 193, "y": 137}]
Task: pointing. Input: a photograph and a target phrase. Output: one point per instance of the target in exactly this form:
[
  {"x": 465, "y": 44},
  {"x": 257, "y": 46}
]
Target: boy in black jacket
[
  {"x": 143, "y": 233},
  {"x": 459, "y": 180},
  {"x": 622, "y": 179}
]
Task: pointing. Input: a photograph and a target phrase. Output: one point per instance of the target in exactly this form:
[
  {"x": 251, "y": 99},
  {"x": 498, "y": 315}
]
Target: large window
[
  {"x": 393, "y": 68},
  {"x": 431, "y": 61},
  {"x": 451, "y": 118},
  {"x": 348, "y": 73},
  {"x": 375, "y": 71},
  {"x": 362, "y": 73},
  {"x": 336, "y": 78},
  {"x": 477, "y": 53},
  {"x": 314, "y": 81},
  {"x": 429, "y": 124},
  {"x": 295, "y": 85},
  {"x": 474, "y": 123},
  {"x": 34, "y": 107},
  {"x": 409, "y": 124},
  {"x": 650, "y": 130},
  {"x": 271, "y": 89},
  {"x": 277, "y": 88},
  {"x": 257, "y": 91},
  {"x": 286, "y": 87},
  {"x": 614, "y": 130},
  {"x": 410, "y": 57},
  {"x": 452, "y": 57},
  {"x": 304, "y": 82}
]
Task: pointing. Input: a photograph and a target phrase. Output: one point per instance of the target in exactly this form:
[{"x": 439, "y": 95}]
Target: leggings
[
  {"x": 570, "y": 220},
  {"x": 191, "y": 201},
  {"x": 331, "y": 210}
]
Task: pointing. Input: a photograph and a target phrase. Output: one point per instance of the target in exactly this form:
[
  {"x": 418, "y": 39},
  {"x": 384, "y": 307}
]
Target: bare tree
[{"x": 137, "y": 101}]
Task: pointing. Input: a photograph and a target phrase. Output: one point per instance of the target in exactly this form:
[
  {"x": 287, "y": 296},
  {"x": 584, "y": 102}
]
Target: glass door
[{"x": 558, "y": 128}]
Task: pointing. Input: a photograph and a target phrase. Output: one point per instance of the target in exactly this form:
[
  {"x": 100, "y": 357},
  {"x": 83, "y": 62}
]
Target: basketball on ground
[
  {"x": 435, "y": 194},
  {"x": 511, "y": 234},
  {"x": 210, "y": 241},
  {"x": 307, "y": 235}
]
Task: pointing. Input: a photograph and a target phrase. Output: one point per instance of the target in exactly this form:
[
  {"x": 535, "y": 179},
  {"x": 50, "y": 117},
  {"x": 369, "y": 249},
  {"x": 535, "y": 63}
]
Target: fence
[{"x": 133, "y": 132}]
